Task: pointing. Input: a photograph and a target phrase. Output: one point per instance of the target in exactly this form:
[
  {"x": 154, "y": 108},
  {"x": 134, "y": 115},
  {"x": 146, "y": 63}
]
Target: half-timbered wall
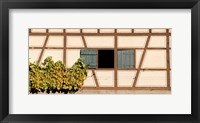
[{"x": 152, "y": 54}]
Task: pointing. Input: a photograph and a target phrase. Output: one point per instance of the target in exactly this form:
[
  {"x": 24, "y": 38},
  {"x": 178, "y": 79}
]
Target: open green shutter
[
  {"x": 89, "y": 57},
  {"x": 125, "y": 58}
]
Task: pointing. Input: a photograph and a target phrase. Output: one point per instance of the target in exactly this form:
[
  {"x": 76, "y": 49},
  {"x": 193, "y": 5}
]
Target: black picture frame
[{"x": 5, "y": 5}]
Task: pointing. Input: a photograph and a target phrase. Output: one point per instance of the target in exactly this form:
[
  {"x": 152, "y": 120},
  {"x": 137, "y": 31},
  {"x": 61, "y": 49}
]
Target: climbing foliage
[{"x": 54, "y": 77}]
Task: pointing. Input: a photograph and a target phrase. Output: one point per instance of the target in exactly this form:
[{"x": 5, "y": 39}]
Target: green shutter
[
  {"x": 125, "y": 58},
  {"x": 89, "y": 57}
]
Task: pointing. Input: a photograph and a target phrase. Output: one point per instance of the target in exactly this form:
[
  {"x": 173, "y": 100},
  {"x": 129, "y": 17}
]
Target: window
[
  {"x": 106, "y": 58},
  {"x": 89, "y": 57},
  {"x": 125, "y": 59}
]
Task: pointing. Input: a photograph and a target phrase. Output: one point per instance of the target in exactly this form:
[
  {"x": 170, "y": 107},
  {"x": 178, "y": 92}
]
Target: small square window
[
  {"x": 125, "y": 59},
  {"x": 89, "y": 57},
  {"x": 106, "y": 58}
]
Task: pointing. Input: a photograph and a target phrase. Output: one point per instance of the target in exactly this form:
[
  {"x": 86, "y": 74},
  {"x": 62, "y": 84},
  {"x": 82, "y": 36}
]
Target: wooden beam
[
  {"x": 132, "y": 30},
  {"x": 115, "y": 60},
  {"x": 60, "y": 48},
  {"x": 98, "y": 34},
  {"x": 134, "y": 59},
  {"x": 41, "y": 54},
  {"x": 144, "y": 69},
  {"x": 168, "y": 58},
  {"x": 142, "y": 59},
  {"x": 126, "y": 88},
  {"x": 83, "y": 39},
  {"x": 29, "y": 30},
  {"x": 64, "y": 49},
  {"x": 156, "y": 48},
  {"x": 95, "y": 78},
  {"x": 97, "y": 59}
]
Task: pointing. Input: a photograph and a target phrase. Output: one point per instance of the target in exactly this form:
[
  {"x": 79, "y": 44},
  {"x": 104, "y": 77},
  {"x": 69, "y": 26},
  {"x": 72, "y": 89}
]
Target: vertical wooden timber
[
  {"x": 168, "y": 58},
  {"x": 132, "y": 30},
  {"x": 64, "y": 49},
  {"x": 134, "y": 58},
  {"x": 115, "y": 60},
  {"x": 42, "y": 52},
  {"x": 97, "y": 58},
  {"x": 29, "y": 30},
  {"x": 93, "y": 72},
  {"x": 142, "y": 59}
]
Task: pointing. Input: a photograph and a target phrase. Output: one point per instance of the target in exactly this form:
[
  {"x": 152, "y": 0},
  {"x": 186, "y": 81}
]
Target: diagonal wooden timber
[
  {"x": 142, "y": 59},
  {"x": 95, "y": 78},
  {"x": 83, "y": 39},
  {"x": 45, "y": 43}
]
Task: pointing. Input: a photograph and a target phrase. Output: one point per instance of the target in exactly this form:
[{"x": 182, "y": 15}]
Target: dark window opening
[{"x": 106, "y": 59}]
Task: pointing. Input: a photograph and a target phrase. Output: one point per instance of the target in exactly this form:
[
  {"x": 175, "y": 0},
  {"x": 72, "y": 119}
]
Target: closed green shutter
[
  {"x": 89, "y": 57},
  {"x": 125, "y": 59}
]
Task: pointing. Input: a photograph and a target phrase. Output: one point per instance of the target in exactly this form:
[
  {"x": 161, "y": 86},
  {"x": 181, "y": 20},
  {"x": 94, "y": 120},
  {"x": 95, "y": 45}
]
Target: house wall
[{"x": 153, "y": 59}]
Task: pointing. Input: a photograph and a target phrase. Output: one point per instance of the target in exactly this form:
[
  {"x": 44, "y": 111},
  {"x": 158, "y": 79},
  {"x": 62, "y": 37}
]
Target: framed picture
[{"x": 99, "y": 61}]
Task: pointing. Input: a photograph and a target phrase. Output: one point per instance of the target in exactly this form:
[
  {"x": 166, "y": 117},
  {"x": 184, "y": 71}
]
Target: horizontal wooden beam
[
  {"x": 97, "y": 34},
  {"x": 145, "y": 69},
  {"x": 127, "y": 88},
  {"x": 156, "y": 48}
]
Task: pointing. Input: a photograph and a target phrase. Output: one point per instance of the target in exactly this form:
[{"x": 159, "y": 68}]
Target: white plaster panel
[
  {"x": 89, "y": 81},
  {"x": 36, "y": 41},
  {"x": 34, "y": 54},
  {"x": 125, "y": 78},
  {"x": 72, "y": 30},
  {"x": 158, "y": 30},
  {"x": 132, "y": 41},
  {"x": 152, "y": 79},
  {"x": 154, "y": 59},
  {"x": 56, "y": 30},
  {"x": 100, "y": 41},
  {"x": 74, "y": 41},
  {"x": 105, "y": 78},
  {"x": 55, "y": 53},
  {"x": 157, "y": 42},
  {"x": 124, "y": 30},
  {"x": 72, "y": 56},
  {"x": 38, "y": 30},
  {"x": 55, "y": 41},
  {"x": 89, "y": 30},
  {"x": 106, "y": 30},
  {"x": 141, "y": 30}
]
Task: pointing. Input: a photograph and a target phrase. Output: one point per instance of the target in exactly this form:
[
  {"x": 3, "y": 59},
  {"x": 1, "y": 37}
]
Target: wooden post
[
  {"x": 115, "y": 60},
  {"x": 168, "y": 58}
]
